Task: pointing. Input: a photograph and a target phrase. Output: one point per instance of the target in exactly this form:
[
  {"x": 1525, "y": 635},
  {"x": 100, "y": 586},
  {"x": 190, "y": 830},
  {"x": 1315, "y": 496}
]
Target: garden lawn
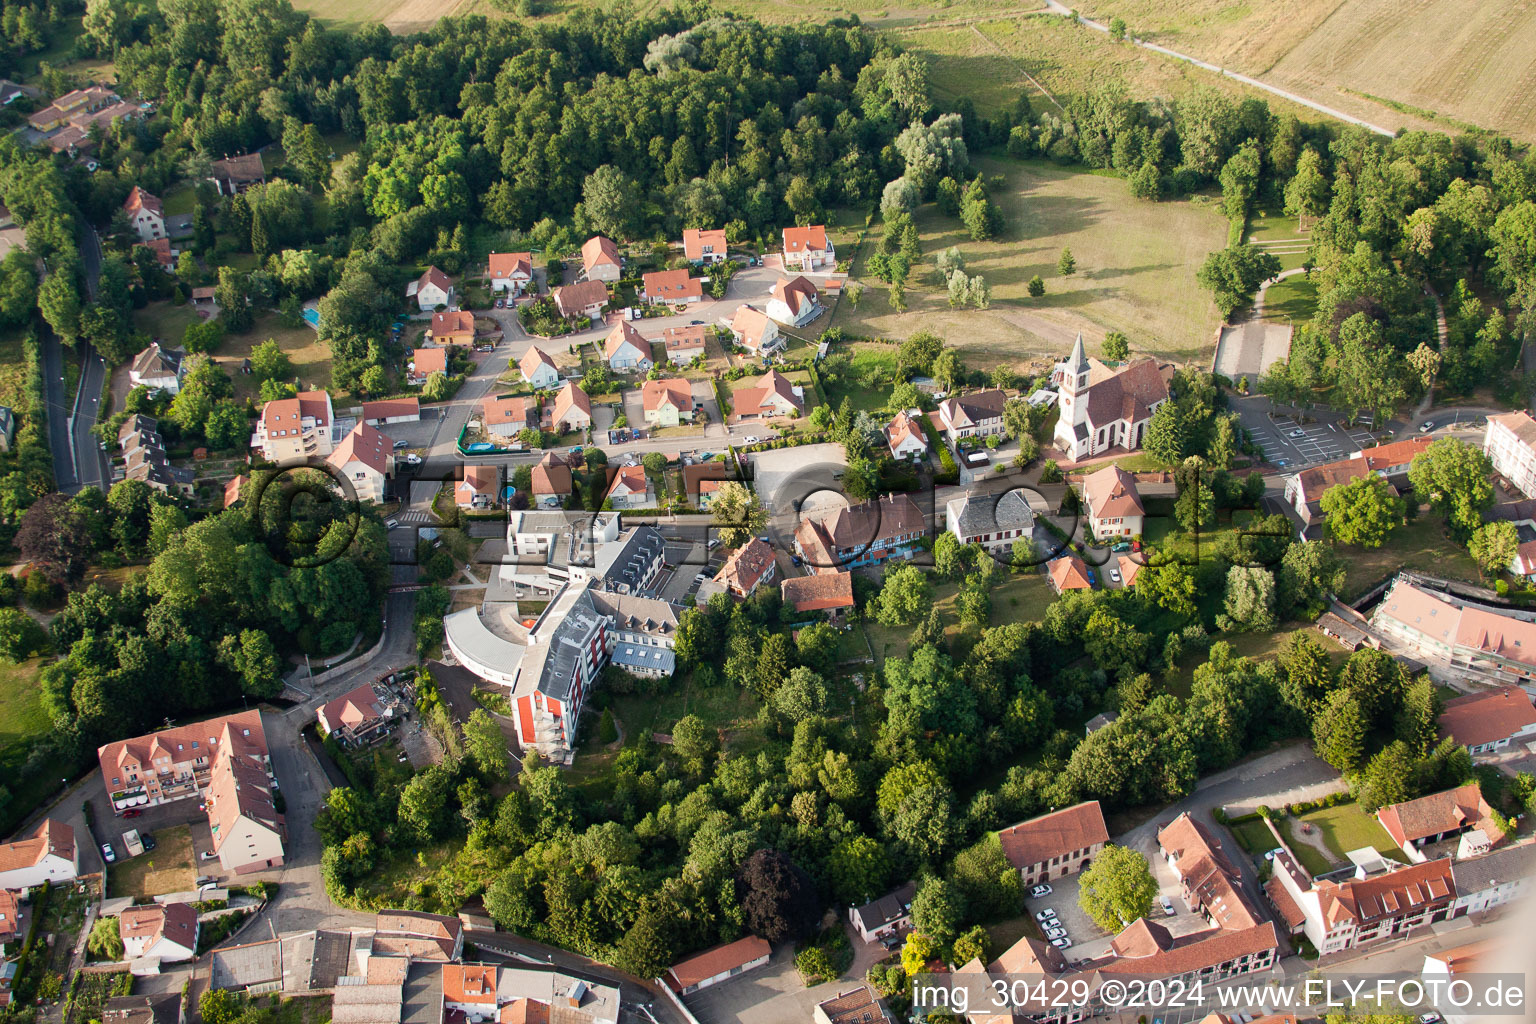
[
  {"x": 1292, "y": 300},
  {"x": 1253, "y": 836},
  {"x": 170, "y": 867},
  {"x": 1312, "y": 862},
  {"x": 21, "y": 706},
  {"x": 165, "y": 322},
  {"x": 311, "y": 358},
  {"x": 1420, "y": 546},
  {"x": 870, "y": 362},
  {"x": 1346, "y": 827},
  {"x": 1136, "y": 264}
]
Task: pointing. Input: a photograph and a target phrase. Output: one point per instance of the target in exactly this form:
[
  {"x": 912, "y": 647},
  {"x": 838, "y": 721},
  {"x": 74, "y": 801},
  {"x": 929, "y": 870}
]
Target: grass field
[
  {"x": 1135, "y": 271},
  {"x": 310, "y": 357},
  {"x": 1346, "y": 827},
  {"x": 1418, "y": 547},
  {"x": 170, "y": 867},
  {"x": 1292, "y": 300},
  {"x": 1253, "y": 836},
  {"x": 1414, "y": 64},
  {"x": 21, "y": 708}
]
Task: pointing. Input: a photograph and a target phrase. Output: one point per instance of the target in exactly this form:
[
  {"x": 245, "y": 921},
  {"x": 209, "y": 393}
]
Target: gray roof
[
  {"x": 164, "y": 1008},
  {"x": 1501, "y": 866},
  {"x": 638, "y": 614},
  {"x": 638, "y": 656},
  {"x": 423, "y": 997},
  {"x": 7, "y": 420},
  {"x": 893, "y": 906},
  {"x": 563, "y": 653},
  {"x": 990, "y": 513},
  {"x": 623, "y": 563},
  {"x": 137, "y": 423},
  {"x": 256, "y": 963}
]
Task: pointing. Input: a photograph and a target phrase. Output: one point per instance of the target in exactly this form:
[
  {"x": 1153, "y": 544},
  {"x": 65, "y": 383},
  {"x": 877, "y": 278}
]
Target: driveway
[{"x": 785, "y": 477}]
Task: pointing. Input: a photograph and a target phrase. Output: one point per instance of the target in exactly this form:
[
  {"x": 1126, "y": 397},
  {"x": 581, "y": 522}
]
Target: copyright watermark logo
[{"x": 305, "y": 510}]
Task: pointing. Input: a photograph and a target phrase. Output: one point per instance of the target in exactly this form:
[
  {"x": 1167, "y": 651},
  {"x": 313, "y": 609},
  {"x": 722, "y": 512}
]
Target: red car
[{"x": 132, "y": 813}]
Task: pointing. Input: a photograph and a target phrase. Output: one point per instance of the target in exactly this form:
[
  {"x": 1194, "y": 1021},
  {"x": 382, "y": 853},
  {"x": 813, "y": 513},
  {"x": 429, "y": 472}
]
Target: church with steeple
[{"x": 1104, "y": 407}]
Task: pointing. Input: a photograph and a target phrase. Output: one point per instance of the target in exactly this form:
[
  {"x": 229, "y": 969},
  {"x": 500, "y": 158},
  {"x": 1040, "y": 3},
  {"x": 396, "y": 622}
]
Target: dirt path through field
[{"x": 419, "y": 15}]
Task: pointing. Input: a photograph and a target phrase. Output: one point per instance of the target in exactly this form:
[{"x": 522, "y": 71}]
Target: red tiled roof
[
  {"x": 498, "y": 410},
  {"x": 48, "y": 837},
  {"x": 796, "y": 293},
  {"x": 811, "y": 238},
  {"x": 1111, "y": 493},
  {"x": 701, "y": 471},
  {"x": 391, "y": 407},
  {"x": 672, "y": 285},
  {"x": 354, "y": 708},
  {"x": 695, "y": 239},
  {"x": 674, "y": 390},
  {"x": 366, "y": 445},
  {"x": 1068, "y": 573},
  {"x": 684, "y": 339},
  {"x": 138, "y": 200},
  {"x": 900, "y": 429},
  {"x": 451, "y": 324},
  {"x": 746, "y": 566},
  {"x": 717, "y": 961},
  {"x": 508, "y": 264},
  {"x": 174, "y": 921},
  {"x": 469, "y": 983},
  {"x": 819, "y": 592},
  {"x": 434, "y": 276},
  {"x": 430, "y": 359},
  {"x": 631, "y": 478},
  {"x": 750, "y": 325},
  {"x": 598, "y": 250},
  {"x": 1285, "y": 903},
  {"x": 551, "y": 476},
  {"x": 533, "y": 359},
  {"x": 1437, "y": 813},
  {"x": 1052, "y": 835},
  {"x": 571, "y": 397},
  {"x": 478, "y": 480},
  {"x": 1478, "y": 718},
  {"x": 573, "y": 298},
  {"x": 1129, "y": 394},
  {"x": 1393, "y": 894}
]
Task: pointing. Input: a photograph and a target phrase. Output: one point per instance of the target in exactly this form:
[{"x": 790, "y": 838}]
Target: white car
[
  {"x": 208, "y": 855},
  {"x": 390, "y": 524},
  {"x": 1114, "y": 575},
  {"x": 1040, "y": 890},
  {"x": 700, "y": 578},
  {"x": 1425, "y": 428},
  {"x": 413, "y": 459},
  {"x": 1046, "y": 915},
  {"x": 1168, "y": 906},
  {"x": 1297, "y": 433},
  {"x": 107, "y": 854},
  {"x": 1062, "y": 943},
  {"x": 749, "y": 440}
]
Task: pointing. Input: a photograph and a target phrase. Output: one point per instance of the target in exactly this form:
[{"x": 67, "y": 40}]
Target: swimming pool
[{"x": 312, "y": 317}]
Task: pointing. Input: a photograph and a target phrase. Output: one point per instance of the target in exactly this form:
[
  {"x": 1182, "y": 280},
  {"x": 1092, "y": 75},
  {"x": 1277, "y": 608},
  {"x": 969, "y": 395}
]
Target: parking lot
[
  {"x": 1289, "y": 445},
  {"x": 1089, "y": 941}
]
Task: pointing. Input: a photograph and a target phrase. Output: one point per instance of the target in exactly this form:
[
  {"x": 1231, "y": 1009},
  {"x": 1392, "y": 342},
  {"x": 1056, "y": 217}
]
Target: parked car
[
  {"x": 1045, "y": 915},
  {"x": 148, "y": 841},
  {"x": 1297, "y": 433},
  {"x": 1114, "y": 575},
  {"x": 402, "y": 444},
  {"x": 749, "y": 440},
  {"x": 107, "y": 854},
  {"x": 389, "y": 524},
  {"x": 413, "y": 459},
  {"x": 1430, "y": 1018},
  {"x": 700, "y": 578},
  {"x": 132, "y": 812},
  {"x": 1055, "y": 933},
  {"x": 501, "y": 303},
  {"x": 890, "y": 941},
  {"x": 1040, "y": 890},
  {"x": 696, "y": 323},
  {"x": 1062, "y": 943},
  {"x": 208, "y": 855},
  {"x": 1425, "y": 428},
  {"x": 1168, "y": 906},
  {"x": 1270, "y": 854}
]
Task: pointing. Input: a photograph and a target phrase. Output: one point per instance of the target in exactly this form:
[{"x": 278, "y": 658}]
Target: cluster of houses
[
  {"x": 64, "y": 126},
  {"x": 47, "y": 855},
  {"x": 306, "y": 426},
  {"x": 142, "y": 457}
]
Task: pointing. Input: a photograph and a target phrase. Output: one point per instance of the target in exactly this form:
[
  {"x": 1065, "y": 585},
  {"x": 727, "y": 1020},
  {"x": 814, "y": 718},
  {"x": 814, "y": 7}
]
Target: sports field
[{"x": 1136, "y": 266}]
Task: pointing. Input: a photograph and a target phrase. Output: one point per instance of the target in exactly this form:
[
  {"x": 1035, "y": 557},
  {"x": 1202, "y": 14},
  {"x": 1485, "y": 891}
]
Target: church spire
[{"x": 1077, "y": 362}]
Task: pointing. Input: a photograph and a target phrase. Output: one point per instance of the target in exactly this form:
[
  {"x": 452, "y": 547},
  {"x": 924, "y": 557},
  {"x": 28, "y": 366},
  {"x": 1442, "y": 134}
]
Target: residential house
[
  {"x": 158, "y": 369},
  {"x": 625, "y": 350},
  {"x": 1057, "y": 844},
  {"x": 794, "y": 302},
  {"x": 747, "y": 568},
  {"x": 1068, "y": 572},
  {"x": 673, "y": 287},
  {"x": 1212, "y": 885},
  {"x": 1490, "y": 720},
  {"x": 357, "y": 717},
  {"x": 600, "y": 260},
  {"x": 1443, "y": 969},
  {"x": 889, "y": 915},
  {"x": 389, "y": 411},
  {"x": 144, "y": 458},
  {"x": 630, "y": 488},
  {"x": 507, "y": 415},
  {"x": 552, "y": 482},
  {"x": 905, "y": 438},
  {"x": 439, "y": 937},
  {"x": 522, "y": 994},
  {"x": 856, "y": 1006},
  {"x": 772, "y": 396},
  {"x": 47, "y": 854},
  {"x": 480, "y": 487},
  {"x": 241, "y": 802},
  {"x": 1502, "y": 876},
  {"x": 708, "y": 489},
  {"x": 146, "y": 214},
  {"x": 10, "y": 919},
  {"x": 716, "y": 965},
  {"x": 1379, "y": 899},
  {"x": 1523, "y": 564},
  {"x": 994, "y": 521},
  {"x": 571, "y": 410},
  {"x": 700, "y": 473},
  {"x": 296, "y": 428},
  {"x": 164, "y": 254},
  {"x": 1456, "y": 637},
  {"x": 235, "y": 174},
  {"x": 683, "y": 344},
  {"x": 1104, "y": 407},
  {"x": 667, "y": 402},
  {"x": 427, "y": 360},
  {"x": 1509, "y": 441},
  {"x": 452, "y": 327},
  {"x": 175, "y": 764},
  {"x": 1129, "y": 568},
  {"x": 510, "y": 272},
  {"x": 539, "y": 369},
  {"x": 754, "y": 331},
  {"x": 978, "y": 414},
  {"x": 162, "y": 932},
  {"x": 863, "y": 534},
  {"x": 1415, "y": 824},
  {"x": 1304, "y": 490},
  {"x": 365, "y": 458},
  {"x": 830, "y": 592},
  {"x": 808, "y": 248},
  {"x": 431, "y": 290},
  {"x": 704, "y": 246},
  {"x": 254, "y": 968},
  {"x": 584, "y": 298},
  {"x": 1113, "y": 503}
]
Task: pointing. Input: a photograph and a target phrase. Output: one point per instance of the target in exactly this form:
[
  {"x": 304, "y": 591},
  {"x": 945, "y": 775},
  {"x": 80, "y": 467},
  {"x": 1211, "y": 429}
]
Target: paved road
[
  {"x": 1057, "y": 7},
  {"x": 78, "y": 460}
]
